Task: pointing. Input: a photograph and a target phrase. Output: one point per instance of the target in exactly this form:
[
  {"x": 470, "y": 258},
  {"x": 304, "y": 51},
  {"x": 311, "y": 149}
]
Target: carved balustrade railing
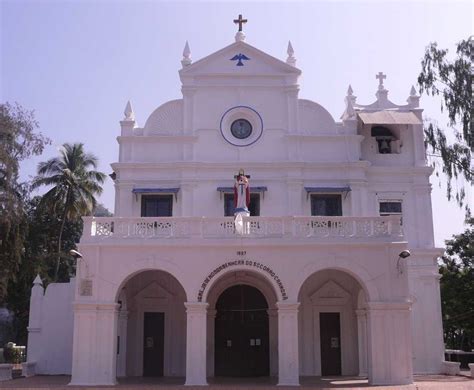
[{"x": 301, "y": 228}]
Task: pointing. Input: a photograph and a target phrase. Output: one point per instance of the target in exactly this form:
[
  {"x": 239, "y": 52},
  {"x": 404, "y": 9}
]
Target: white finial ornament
[
  {"x": 129, "y": 114},
  {"x": 240, "y": 36},
  {"x": 37, "y": 281},
  {"x": 186, "y": 55},
  {"x": 291, "y": 60},
  {"x": 350, "y": 99},
  {"x": 413, "y": 100}
]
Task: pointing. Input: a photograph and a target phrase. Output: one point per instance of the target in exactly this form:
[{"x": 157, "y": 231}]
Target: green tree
[
  {"x": 75, "y": 184},
  {"x": 101, "y": 211},
  {"x": 40, "y": 258},
  {"x": 451, "y": 81},
  {"x": 19, "y": 140},
  {"x": 457, "y": 290}
]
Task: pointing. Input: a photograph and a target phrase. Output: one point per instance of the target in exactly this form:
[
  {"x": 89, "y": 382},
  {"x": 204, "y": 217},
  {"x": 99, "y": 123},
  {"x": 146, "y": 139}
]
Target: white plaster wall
[{"x": 51, "y": 344}]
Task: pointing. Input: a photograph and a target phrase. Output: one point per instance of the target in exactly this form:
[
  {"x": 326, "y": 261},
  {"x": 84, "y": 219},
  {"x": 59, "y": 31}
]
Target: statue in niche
[{"x": 241, "y": 200}]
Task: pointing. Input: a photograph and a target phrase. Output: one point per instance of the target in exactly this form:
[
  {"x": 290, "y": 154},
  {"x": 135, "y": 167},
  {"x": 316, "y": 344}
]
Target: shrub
[{"x": 11, "y": 354}]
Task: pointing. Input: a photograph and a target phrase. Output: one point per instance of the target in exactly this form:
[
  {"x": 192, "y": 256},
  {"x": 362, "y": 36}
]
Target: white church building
[{"x": 333, "y": 273}]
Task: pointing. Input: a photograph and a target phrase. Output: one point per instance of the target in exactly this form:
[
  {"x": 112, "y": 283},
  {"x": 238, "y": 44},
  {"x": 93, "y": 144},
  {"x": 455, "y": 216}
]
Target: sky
[{"x": 76, "y": 63}]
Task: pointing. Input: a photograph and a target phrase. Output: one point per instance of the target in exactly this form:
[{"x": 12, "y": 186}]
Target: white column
[
  {"x": 211, "y": 324},
  {"x": 196, "y": 343},
  {"x": 362, "y": 341},
  {"x": 35, "y": 348},
  {"x": 288, "y": 357},
  {"x": 273, "y": 337},
  {"x": 389, "y": 343},
  {"x": 122, "y": 342},
  {"x": 94, "y": 351}
]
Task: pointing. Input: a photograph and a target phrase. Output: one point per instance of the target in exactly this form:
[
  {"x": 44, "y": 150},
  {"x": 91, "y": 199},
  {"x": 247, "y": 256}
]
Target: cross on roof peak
[
  {"x": 240, "y": 22},
  {"x": 380, "y": 76}
]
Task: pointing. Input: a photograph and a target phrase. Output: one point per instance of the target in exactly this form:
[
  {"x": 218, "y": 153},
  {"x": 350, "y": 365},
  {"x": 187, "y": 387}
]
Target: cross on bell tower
[
  {"x": 240, "y": 22},
  {"x": 380, "y": 76}
]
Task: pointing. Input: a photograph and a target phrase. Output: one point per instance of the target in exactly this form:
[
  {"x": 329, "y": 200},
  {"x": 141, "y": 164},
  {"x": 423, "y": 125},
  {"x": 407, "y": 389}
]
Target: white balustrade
[{"x": 307, "y": 228}]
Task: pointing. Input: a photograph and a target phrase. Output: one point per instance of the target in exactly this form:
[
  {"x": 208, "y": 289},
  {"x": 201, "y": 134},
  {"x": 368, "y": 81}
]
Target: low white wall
[{"x": 50, "y": 343}]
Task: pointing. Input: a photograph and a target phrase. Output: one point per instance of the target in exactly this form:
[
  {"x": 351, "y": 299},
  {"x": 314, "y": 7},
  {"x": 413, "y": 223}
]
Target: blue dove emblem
[{"x": 239, "y": 57}]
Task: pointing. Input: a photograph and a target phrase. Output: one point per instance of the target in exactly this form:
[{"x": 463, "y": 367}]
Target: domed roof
[
  {"x": 166, "y": 119},
  {"x": 314, "y": 118}
]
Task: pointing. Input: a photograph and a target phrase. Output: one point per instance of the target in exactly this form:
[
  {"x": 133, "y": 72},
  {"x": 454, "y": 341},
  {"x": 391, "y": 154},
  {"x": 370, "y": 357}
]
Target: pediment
[
  {"x": 239, "y": 59},
  {"x": 153, "y": 290},
  {"x": 330, "y": 293}
]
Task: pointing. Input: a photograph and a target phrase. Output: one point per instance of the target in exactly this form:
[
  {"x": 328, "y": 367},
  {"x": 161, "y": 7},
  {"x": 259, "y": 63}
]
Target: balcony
[{"x": 292, "y": 229}]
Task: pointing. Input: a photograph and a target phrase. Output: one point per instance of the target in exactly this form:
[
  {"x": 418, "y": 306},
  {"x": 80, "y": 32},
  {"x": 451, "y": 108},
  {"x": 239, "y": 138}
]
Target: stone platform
[{"x": 422, "y": 382}]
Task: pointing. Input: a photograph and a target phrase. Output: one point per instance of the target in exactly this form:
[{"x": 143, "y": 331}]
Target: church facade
[{"x": 333, "y": 273}]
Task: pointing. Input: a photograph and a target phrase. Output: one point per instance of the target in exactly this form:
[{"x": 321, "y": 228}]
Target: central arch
[{"x": 242, "y": 323}]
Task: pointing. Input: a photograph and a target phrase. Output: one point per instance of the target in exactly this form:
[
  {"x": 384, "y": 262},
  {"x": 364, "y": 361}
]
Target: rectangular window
[
  {"x": 326, "y": 205},
  {"x": 157, "y": 205},
  {"x": 254, "y": 206},
  {"x": 390, "y": 207}
]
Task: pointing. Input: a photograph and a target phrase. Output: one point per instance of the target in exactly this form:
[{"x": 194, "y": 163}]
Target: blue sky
[{"x": 76, "y": 63}]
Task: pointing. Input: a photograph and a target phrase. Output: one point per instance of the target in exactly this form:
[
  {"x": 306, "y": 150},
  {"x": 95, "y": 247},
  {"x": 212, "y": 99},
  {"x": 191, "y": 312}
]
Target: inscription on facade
[
  {"x": 85, "y": 288},
  {"x": 247, "y": 263}
]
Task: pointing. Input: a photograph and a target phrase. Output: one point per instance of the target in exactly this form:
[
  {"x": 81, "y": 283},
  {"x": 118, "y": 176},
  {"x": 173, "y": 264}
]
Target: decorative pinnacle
[
  {"x": 413, "y": 100},
  {"x": 290, "y": 49},
  {"x": 37, "y": 281},
  {"x": 129, "y": 114},
  {"x": 186, "y": 55},
  {"x": 349, "y": 91},
  {"x": 291, "y": 60},
  {"x": 350, "y": 99}
]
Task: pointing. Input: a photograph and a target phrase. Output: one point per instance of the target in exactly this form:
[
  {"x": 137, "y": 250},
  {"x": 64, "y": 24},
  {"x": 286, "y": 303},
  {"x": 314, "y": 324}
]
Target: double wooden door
[{"x": 241, "y": 333}]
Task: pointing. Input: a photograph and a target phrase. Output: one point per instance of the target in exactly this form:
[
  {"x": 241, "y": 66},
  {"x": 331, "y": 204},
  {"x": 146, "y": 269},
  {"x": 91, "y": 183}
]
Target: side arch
[
  {"x": 149, "y": 264},
  {"x": 360, "y": 274}
]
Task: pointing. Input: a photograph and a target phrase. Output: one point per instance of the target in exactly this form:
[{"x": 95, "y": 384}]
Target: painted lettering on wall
[{"x": 247, "y": 263}]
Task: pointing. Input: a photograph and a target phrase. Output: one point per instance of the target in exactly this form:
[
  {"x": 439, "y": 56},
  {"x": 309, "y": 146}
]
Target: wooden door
[
  {"x": 153, "y": 344},
  {"x": 241, "y": 333},
  {"x": 330, "y": 336}
]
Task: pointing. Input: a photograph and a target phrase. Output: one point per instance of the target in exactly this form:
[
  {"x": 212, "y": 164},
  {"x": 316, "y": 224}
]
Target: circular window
[{"x": 241, "y": 128}]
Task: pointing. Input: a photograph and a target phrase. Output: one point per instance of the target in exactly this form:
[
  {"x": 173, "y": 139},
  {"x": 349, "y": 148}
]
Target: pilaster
[
  {"x": 94, "y": 355},
  {"x": 362, "y": 341},
  {"x": 211, "y": 324},
  {"x": 389, "y": 343},
  {"x": 196, "y": 322},
  {"x": 122, "y": 343},
  {"x": 288, "y": 356}
]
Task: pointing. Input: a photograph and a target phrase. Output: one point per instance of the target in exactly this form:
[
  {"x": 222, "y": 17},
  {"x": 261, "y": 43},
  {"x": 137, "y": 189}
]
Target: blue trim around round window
[{"x": 250, "y": 108}]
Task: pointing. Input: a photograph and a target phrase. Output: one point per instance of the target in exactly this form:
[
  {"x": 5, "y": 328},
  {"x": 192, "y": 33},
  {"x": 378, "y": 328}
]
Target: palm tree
[{"x": 75, "y": 184}]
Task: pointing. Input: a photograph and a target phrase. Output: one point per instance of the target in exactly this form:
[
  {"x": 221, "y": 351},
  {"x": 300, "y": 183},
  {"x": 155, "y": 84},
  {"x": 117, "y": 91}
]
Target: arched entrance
[
  {"x": 151, "y": 326},
  {"x": 332, "y": 325},
  {"x": 249, "y": 297},
  {"x": 242, "y": 333}
]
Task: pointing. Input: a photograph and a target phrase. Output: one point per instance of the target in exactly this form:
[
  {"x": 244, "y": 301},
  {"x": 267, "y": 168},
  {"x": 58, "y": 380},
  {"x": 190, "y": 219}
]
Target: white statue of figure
[{"x": 241, "y": 200}]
